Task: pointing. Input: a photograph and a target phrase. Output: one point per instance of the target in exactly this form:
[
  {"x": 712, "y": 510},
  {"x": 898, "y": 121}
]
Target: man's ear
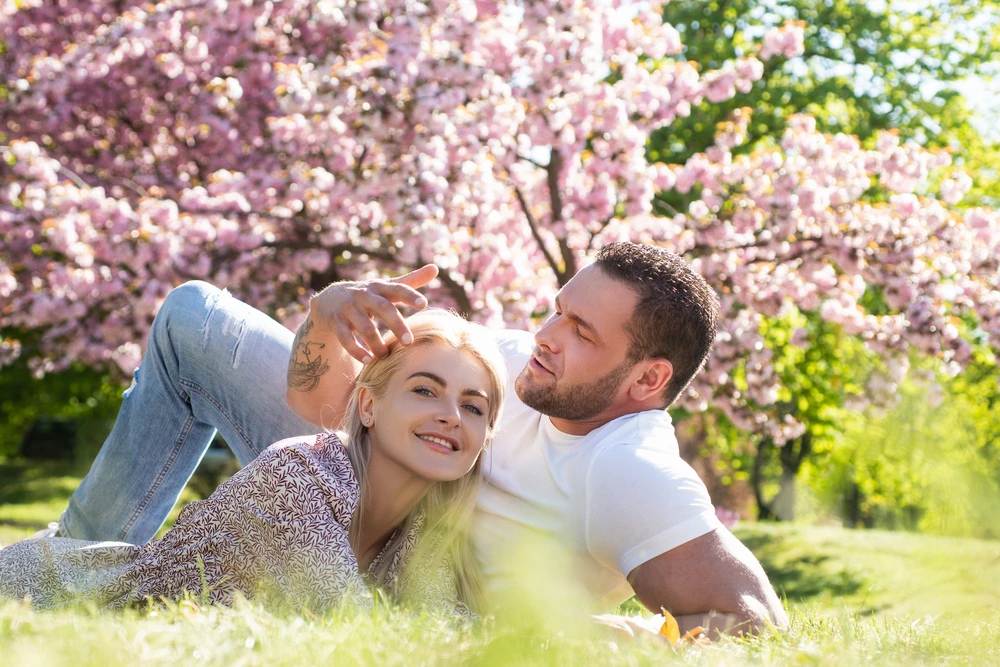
[
  {"x": 366, "y": 407},
  {"x": 655, "y": 375}
]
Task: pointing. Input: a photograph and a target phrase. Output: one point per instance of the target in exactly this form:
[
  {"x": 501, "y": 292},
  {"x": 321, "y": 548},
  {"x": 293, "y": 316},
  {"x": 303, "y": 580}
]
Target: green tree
[
  {"x": 85, "y": 397},
  {"x": 926, "y": 465},
  {"x": 867, "y": 66}
]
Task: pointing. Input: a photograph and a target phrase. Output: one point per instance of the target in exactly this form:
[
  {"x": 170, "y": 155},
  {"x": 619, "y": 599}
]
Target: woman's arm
[
  {"x": 340, "y": 334},
  {"x": 294, "y": 512}
]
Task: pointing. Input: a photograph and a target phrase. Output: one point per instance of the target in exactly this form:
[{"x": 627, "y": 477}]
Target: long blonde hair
[{"x": 449, "y": 506}]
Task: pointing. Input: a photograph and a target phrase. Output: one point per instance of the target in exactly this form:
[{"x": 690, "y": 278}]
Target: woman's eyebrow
[{"x": 441, "y": 381}]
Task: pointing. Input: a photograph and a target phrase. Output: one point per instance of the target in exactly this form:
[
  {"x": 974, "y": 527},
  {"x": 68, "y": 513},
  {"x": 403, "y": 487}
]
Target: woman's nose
[{"x": 449, "y": 414}]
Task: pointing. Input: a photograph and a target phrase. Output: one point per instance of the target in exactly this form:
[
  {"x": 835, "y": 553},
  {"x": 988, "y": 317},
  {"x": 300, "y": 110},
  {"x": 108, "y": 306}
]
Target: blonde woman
[{"x": 320, "y": 520}]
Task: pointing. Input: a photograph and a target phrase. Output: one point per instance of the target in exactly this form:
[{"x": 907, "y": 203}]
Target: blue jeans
[{"x": 212, "y": 362}]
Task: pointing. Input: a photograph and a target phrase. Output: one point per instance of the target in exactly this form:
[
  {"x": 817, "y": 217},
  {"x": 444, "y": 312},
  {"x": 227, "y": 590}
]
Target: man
[{"x": 585, "y": 452}]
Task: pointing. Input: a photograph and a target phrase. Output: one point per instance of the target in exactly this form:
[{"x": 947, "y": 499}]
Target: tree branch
[
  {"x": 533, "y": 225},
  {"x": 457, "y": 292}
]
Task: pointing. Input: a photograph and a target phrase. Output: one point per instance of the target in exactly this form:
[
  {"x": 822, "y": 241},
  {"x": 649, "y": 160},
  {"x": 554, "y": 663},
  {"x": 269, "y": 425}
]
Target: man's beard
[{"x": 577, "y": 402}]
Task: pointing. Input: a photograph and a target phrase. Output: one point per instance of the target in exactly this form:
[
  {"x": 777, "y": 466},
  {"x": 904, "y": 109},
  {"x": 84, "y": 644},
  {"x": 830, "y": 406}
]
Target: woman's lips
[{"x": 447, "y": 445}]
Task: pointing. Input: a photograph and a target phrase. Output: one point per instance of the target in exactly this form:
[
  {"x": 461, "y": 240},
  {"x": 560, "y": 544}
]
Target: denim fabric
[{"x": 212, "y": 362}]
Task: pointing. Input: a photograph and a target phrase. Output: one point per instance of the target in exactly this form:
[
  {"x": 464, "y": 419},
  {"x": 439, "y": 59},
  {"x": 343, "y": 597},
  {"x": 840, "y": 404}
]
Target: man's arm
[
  {"x": 712, "y": 581},
  {"x": 340, "y": 334},
  {"x": 320, "y": 375}
]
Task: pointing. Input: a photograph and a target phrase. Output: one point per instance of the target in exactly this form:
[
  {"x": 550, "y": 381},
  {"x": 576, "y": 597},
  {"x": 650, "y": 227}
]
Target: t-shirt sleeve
[{"x": 642, "y": 502}]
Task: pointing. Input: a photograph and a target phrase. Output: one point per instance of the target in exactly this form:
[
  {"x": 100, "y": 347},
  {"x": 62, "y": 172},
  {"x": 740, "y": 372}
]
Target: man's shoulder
[{"x": 650, "y": 431}]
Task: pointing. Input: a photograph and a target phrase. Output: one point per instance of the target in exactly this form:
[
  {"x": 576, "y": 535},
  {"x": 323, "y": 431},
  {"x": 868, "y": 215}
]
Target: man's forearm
[
  {"x": 320, "y": 376},
  {"x": 307, "y": 364}
]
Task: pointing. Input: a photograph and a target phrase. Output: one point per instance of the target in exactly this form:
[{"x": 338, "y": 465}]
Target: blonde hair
[{"x": 448, "y": 507}]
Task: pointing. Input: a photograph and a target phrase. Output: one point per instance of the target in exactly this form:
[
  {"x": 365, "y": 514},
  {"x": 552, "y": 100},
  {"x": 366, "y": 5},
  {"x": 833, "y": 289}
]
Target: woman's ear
[{"x": 366, "y": 407}]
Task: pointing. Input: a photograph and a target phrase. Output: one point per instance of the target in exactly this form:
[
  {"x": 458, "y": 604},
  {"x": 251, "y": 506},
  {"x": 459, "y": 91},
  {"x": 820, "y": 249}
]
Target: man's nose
[{"x": 547, "y": 336}]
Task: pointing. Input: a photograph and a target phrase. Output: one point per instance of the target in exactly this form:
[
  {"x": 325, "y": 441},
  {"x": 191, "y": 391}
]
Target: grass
[
  {"x": 855, "y": 597},
  {"x": 34, "y": 493}
]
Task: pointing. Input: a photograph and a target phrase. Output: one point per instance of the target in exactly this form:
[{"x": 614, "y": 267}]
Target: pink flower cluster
[
  {"x": 786, "y": 230},
  {"x": 274, "y": 147},
  {"x": 786, "y": 41}
]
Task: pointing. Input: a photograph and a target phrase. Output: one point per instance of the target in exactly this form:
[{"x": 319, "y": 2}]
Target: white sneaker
[{"x": 51, "y": 531}]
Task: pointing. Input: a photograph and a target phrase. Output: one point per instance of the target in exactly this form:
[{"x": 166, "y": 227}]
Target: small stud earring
[{"x": 368, "y": 420}]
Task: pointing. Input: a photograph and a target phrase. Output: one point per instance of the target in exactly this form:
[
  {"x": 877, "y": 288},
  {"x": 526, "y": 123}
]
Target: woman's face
[{"x": 433, "y": 418}]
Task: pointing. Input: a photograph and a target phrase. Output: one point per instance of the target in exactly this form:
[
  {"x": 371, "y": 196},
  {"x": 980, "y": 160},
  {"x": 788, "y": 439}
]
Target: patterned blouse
[{"x": 279, "y": 525}]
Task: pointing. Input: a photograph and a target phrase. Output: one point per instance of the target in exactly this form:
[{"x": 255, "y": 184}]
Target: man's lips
[{"x": 538, "y": 366}]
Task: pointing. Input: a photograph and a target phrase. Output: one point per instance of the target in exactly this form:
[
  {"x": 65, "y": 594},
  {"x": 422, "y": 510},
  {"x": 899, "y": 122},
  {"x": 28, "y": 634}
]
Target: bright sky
[{"x": 984, "y": 98}]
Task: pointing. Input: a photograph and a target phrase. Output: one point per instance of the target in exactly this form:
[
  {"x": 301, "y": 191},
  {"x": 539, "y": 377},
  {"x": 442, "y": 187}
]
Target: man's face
[{"x": 581, "y": 354}]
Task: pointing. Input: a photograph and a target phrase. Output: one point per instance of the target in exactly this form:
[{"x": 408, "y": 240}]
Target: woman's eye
[
  {"x": 423, "y": 391},
  {"x": 474, "y": 409}
]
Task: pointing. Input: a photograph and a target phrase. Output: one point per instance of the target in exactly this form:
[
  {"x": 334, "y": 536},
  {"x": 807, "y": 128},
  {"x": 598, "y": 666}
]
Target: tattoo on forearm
[{"x": 306, "y": 366}]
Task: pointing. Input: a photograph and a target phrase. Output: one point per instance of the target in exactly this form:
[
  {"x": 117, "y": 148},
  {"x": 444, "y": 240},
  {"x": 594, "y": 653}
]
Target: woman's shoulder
[
  {"x": 318, "y": 443},
  {"x": 324, "y": 449}
]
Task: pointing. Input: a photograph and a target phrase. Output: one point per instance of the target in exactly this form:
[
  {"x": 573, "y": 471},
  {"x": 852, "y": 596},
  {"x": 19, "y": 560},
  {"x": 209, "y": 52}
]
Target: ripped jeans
[{"x": 212, "y": 362}]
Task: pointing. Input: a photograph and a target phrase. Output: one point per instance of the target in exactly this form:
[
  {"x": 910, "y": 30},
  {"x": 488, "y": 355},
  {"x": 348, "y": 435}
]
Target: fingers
[
  {"x": 345, "y": 335},
  {"x": 419, "y": 278},
  {"x": 353, "y": 311},
  {"x": 366, "y": 333},
  {"x": 385, "y": 311}
]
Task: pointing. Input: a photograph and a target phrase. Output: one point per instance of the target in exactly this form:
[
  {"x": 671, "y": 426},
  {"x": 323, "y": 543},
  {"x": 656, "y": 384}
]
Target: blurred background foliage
[{"x": 867, "y": 66}]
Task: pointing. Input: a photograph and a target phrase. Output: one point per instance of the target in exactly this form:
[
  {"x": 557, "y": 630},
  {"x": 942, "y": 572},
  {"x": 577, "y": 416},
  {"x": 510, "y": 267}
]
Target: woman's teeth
[{"x": 439, "y": 441}]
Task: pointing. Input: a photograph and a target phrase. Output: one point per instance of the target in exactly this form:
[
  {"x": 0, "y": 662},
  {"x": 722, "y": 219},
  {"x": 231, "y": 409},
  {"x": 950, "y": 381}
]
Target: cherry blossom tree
[{"x": 274, "y": 147}]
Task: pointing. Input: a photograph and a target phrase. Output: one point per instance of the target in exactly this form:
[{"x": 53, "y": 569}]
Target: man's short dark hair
[{"x": 677, "y": 312}]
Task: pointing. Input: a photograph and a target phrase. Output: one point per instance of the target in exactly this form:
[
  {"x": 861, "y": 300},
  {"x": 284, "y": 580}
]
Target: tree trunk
[
  {"x": 764, "y": 512},
  {"x": 791, "y": 455}
]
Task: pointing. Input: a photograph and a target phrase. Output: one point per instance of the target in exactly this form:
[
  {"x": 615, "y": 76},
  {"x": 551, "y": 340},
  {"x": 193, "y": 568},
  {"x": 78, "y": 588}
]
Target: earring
[{"x": 368, "y": 420}]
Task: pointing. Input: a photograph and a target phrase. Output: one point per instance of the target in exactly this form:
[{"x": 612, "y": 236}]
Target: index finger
[{"x": 419, "y": 278}]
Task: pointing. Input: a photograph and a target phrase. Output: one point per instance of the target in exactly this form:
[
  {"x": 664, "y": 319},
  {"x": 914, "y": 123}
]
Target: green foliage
[
  {"x": 821, "y": 370},
  {"x": 866, "y": 66},
  {"x": 87, "y": 397},
  {"x": 918, "y": 467}
]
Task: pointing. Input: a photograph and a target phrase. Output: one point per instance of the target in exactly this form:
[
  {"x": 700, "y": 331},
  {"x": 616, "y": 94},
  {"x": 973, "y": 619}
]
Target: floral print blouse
[{"x": 279, "y": 525}]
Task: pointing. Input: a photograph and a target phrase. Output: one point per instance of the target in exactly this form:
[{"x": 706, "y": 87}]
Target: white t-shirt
[{"x": 613, "y": 499}]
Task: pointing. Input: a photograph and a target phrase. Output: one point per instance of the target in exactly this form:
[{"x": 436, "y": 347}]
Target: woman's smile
[{"x": 439, "y": 442}]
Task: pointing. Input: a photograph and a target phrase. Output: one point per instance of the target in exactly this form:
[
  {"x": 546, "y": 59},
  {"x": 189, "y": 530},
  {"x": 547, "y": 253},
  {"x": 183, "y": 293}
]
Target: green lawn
[
  {"x": 34, "y": 493},
  {"x": 855, "y": 597}
]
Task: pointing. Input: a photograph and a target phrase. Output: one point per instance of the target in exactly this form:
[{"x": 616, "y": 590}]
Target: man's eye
[{"x": 579, "y": 333}]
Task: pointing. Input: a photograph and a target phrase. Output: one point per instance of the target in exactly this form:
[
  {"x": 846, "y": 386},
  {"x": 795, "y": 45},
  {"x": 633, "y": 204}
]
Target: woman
[{"x": 316, "y": 519}]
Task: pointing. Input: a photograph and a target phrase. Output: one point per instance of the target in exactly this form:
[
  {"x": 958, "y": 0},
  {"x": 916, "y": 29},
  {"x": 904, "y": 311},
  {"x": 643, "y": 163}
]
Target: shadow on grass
[
  {"x": 798, "y": 572},
  {"x": 23, "y": 482},
  {"x": 797, "y": 575}
]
